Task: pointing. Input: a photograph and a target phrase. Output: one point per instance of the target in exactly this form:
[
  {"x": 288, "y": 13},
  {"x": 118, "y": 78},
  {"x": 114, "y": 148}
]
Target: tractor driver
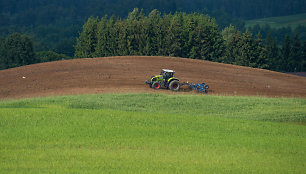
[{"x": 167, "y": 75}]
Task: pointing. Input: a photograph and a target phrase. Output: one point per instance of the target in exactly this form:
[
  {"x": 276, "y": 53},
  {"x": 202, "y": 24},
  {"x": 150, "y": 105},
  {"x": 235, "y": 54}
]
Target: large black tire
[
  {"x": 174, "y": 85},
  {"x": 156, "y": 85}
]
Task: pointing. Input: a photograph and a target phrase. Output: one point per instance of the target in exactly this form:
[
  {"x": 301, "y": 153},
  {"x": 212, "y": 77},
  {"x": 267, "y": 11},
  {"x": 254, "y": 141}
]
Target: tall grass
[{"x": 150, "y": 133}]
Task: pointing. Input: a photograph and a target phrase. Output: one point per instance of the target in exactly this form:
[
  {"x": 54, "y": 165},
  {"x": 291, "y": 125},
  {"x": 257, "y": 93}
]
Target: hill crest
[{"x": 127, "y": 74}]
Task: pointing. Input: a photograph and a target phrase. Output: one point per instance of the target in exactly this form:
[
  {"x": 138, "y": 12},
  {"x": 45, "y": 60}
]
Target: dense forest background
[
  {"x": 194, "y": 35},
  {"x": 51, "y": 26}
]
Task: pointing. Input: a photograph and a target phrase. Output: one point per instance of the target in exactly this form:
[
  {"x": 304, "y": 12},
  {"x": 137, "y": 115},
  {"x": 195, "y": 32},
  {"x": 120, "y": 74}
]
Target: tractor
[
  {"x": 168, "y": 81},
  {"x": 165, "y": 79}
]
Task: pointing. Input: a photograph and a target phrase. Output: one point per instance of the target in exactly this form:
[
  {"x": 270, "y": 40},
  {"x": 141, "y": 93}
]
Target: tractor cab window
[{"x": 167, "y": 75}]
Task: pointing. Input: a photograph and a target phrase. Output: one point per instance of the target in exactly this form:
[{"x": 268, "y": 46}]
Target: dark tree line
[
  {"x": 177, "y": 35},
  {"x": 54, "y": 25},
  {"x": 279, "y": 33},
  {"x": 17, "y": 50},
  {"x": 194, "y": 36},
  {"x": 47, "y": 38},
  {"x": 247, "y": 50}
]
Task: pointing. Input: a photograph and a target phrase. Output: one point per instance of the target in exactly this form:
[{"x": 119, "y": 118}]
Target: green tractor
[{"x": 165, "y": 79}]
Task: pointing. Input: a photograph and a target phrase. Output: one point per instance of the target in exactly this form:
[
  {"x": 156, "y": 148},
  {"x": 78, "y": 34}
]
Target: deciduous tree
[{"x": 17, "y": 50}]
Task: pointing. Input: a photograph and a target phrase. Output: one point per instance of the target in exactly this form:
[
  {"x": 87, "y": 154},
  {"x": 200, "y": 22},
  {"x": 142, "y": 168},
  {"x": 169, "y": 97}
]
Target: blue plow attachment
[{"x": 202, "y": 87}]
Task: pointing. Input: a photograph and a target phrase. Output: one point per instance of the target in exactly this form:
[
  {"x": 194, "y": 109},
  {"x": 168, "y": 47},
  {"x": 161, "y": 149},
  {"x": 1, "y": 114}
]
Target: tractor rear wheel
[
  {"x": 156, "y": 85},
  {"x": 174, "y": 85}
]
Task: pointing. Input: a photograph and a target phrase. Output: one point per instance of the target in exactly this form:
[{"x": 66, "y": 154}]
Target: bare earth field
[{"x": 127, "y": 74}]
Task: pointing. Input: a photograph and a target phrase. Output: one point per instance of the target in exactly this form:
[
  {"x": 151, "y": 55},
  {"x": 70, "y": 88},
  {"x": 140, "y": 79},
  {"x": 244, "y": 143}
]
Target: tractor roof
[{"x": 168, "y": 70}]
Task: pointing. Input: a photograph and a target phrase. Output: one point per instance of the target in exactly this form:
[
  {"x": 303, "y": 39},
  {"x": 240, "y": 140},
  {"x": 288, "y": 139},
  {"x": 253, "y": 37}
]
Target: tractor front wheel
[
  {"x": 156, "y": 85},
  {"x": 174, "y": 85}
]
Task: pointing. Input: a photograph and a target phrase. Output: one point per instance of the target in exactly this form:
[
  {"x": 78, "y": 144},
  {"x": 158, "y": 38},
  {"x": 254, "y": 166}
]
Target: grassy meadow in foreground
[{"x": 153, "y": 133}]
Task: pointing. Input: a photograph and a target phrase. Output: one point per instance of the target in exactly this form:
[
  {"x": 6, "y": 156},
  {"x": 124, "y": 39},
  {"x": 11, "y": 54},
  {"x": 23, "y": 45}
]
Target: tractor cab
[{"x": 167, "y": 73}]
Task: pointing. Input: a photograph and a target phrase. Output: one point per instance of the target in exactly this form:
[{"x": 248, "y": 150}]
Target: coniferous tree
[
  {"x": 87, "y": 42},
  {"x": 153, "y": 33},
  {"x": 296, "y": 55},
  {"x": 217, "y": 50},
  {"x": 164, "y": 25},
  {"x": 102, "y": 38},
  {"x": 2, "y": 54},
  {"x": 188, "y": 35},
  {"x": 304, "y": 57},
  {"x": 3, "y": 62},
  {"x": 285, "y": 54},
  {"x": 194, "y": 39},
  {"x": 136, "y": 32},
  {"x": 246, "y": 50},
  {"x": 209, "y": 40},
  {"x": 202, "y": 46},
  {"x": 142, "y": 34},
  {"x": 122, "y": 38},
  {"x": 114, "y": 30},
  {"x": 173, "y": 40},
  {"x": 261, "y": 60},
  {"x": 231, "y": 37},
  {"x": 272, "y": 52},
  {"x": 133, "y": 31}
]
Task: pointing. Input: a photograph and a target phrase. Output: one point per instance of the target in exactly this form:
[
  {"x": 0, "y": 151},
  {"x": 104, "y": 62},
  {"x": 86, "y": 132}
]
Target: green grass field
[
  {"x": 153, "y": 133},
  {"x": 279, "y": 22}
]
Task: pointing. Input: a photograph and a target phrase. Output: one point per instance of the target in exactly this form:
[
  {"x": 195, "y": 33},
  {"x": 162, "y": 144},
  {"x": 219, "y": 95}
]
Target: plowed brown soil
[{"x": 127, "y": 74}]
